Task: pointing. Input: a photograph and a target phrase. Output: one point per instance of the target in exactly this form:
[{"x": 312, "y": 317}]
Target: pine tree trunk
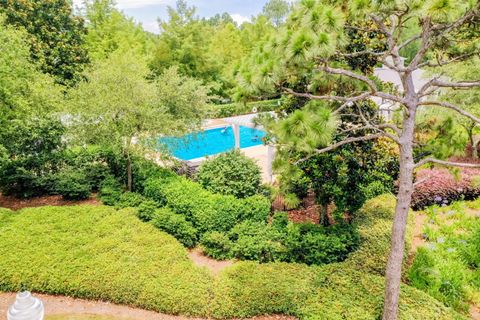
[
  {"x": 404, "y": 197},
  {"x": 129, "y": 174},
  {"x": 475, "y": 149}
]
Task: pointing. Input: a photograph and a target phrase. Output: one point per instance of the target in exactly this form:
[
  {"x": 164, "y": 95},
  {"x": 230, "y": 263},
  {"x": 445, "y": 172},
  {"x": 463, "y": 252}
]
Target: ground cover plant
[
  {"x": 448, "y": 265},
  {"x": 101, "y": 253}
]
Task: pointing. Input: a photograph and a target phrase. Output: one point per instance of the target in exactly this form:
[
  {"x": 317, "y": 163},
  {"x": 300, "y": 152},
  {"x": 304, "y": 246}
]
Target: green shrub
[
  {"x": 230, "y": 173},
  {"x": 176, "y": 225},
  {"x": 130, "y": 200},
  {"x": 73, "y": 185},
  {"x": 447, "y": 266},
  {"x": 216, "y": 245},
  {"x": 315, "y": 244},
  {"x": 110, "y": 191},
  {"x": 146, "y": 210},
  {"x": 256, "y": 208},
  {"x": 471, "y": 250},
  {"x": 280, "y": 221},
  {"x": 444, "y": 280},
  {"x": 257, "y": 241},
  {"x": 205, "y": 210},
  {"x": 31, "y": 151}
]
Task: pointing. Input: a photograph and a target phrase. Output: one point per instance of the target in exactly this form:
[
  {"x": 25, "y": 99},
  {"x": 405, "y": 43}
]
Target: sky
[{"x": 147, "y": 11}]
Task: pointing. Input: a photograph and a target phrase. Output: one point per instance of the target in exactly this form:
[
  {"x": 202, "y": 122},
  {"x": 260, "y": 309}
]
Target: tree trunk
[
  {"x": 126, "y": 151},
  {"x": 475, "y": 148},
  {"x": 129, "y": 174},
  {"x": 404, "y": 197}
]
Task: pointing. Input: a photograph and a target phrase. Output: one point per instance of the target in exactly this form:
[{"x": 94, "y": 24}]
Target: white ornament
[{"x": 26, "y": 307}]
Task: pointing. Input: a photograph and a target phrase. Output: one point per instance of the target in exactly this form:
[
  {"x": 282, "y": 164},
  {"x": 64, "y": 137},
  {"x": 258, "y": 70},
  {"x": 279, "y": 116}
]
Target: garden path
[
  {"x": 60, "y": 305},
  {"x": 214, "y": 266}
]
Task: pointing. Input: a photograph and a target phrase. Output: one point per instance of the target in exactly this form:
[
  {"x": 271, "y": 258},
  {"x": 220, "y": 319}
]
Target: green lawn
[{"x": 101, "y": 253}]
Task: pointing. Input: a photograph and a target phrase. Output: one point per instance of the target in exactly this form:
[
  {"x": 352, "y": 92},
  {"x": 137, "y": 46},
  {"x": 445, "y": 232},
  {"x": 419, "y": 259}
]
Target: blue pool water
[{"x": 210, "y": 142}]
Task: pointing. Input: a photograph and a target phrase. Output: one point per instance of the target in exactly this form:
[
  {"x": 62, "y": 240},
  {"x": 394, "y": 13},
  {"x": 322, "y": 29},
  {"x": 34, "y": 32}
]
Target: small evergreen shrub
[
  {"x": 216, "y": 245},
  {"x": 146, "y": 210},
  {"x": 256, "y": 208},
  {"x": 257, "y": 241},
  {"x": 280, "y": 221},
  {"x": 110, "y": 191},
  {"x": 130, "y": 200},
  {"x": 73, "y": 185},
  {"x": 230, "y": 173},
  {"x": 205, "y": 210},
  {"x": 176, "y": 225},
  {"x": 314, "y": 244}
]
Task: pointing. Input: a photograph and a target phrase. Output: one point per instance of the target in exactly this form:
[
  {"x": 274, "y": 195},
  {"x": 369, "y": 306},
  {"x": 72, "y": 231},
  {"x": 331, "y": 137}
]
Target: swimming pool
[{"x": 210, "y": 142}]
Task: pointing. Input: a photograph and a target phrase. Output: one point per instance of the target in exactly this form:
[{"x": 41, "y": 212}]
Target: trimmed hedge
[
  {"x": 176, "y": 225},
  {"x": 101, "y": 253},
  {"x": 205, "y": 210}
]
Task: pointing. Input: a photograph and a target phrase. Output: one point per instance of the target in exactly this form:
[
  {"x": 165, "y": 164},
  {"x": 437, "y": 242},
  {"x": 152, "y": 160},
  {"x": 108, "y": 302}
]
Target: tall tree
[
  {"x": 117, "y": 106},
  {"x": 110, "y": 30},
  {"x": 56, "y": 36},
  {"x": 184, "y": 42},
  {"x": 25, "y": 91},
  {"x": 277, "y": 11},
  {"x": 313, "y": 43}
]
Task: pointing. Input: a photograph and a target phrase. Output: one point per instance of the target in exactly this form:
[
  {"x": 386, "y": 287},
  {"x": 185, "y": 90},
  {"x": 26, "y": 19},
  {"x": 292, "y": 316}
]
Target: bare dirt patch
[
  {"x": 213, "y": 265},
  {"x": 70, "y": 307},
  {"x": 17, "y": 204}
]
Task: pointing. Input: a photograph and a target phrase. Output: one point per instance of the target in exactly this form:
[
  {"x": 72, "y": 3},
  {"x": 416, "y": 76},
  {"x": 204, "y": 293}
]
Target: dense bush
[
  {"x": 314, "y": 244},
  {"x": 442, "y": 187},
  {"x": 176, "y": 225},
  {"x": 257, "y": 241},
  {"x": 130, "y": 200},
  {"x": 110, "y": 191},
  {"x": 216, "y": 245},
  {"x": 146, "y": 210},
  {"x": 31, "y": 154},
  {"x": 230, "y": 173},
  {"x": 352, "y": 174},
  {"x": 151, "y": 270},
  {"x": 283, "y": 241},
  {"x": 205, "y": 210},
  {"x": 73, "y": 185}
]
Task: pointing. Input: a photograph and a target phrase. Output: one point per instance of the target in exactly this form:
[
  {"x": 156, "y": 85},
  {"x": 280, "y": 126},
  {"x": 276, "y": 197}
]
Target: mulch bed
[{"x": 17, "y": 204}]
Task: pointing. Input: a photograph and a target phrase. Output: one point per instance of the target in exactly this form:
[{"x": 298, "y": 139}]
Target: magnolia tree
[
  {"x": 119, "y": 106},
  {"x": 312, "y": 59}
]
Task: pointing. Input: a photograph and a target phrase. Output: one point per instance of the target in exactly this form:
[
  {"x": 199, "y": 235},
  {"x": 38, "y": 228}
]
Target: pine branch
[
  {"x": 447, "y": 163},
  {"x": 341, "y": 143},
  {"x": 452, "y": 107}
]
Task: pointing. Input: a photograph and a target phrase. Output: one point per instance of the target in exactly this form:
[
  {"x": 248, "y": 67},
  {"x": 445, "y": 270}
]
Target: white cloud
[
  {"x": 238, "y": 18},
  {"x": 151, "y": 26},
  {"x": 131, "y": 4}
]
